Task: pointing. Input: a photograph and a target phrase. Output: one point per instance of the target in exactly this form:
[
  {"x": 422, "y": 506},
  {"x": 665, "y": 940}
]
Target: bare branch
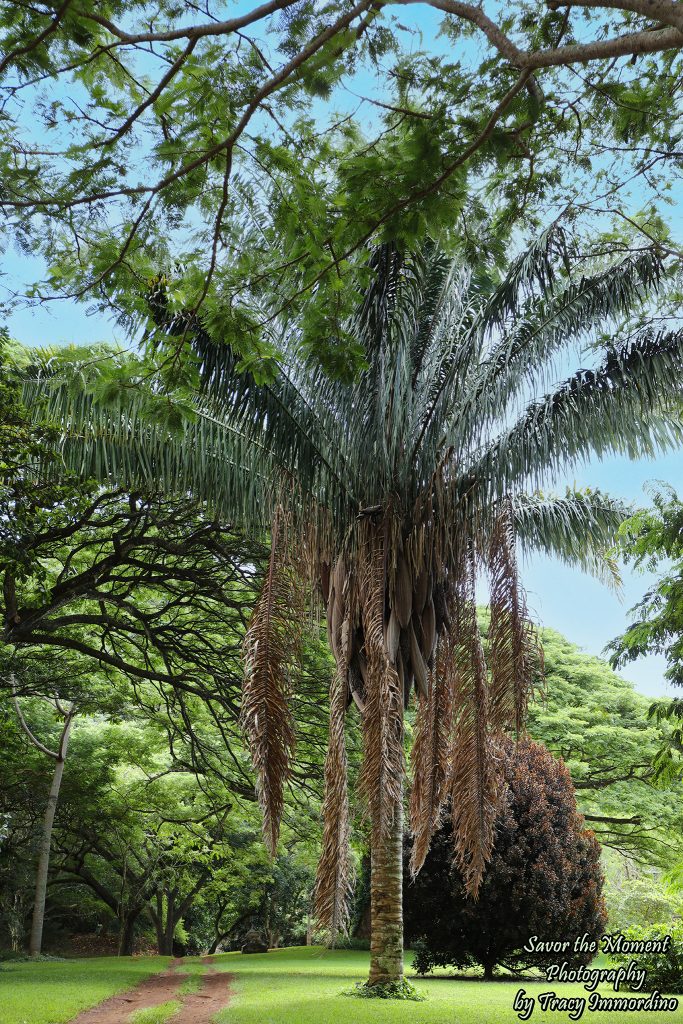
[
  {"x": 25, "y": 726},
  {"x": 610, "y": 820},
  {"x": 217, "y": 28}
]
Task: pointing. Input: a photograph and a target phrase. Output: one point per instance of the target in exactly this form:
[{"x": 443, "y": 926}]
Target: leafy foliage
[
  {"x": 598, "y": 724},
  {"x": 638, "y": 902},
  {"x": 225, "y": 153},
  {"x": 402, "y": 989},
  {"x": 652, "y": 540},
  {"x": 664, "y": 970}
]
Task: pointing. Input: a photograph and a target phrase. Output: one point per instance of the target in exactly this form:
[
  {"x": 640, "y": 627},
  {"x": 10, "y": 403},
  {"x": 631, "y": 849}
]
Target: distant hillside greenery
[{"x": 599, "y": 725}]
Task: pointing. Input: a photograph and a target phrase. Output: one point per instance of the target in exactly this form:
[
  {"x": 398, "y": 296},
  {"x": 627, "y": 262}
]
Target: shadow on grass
[{"x": 478, "y": 979}]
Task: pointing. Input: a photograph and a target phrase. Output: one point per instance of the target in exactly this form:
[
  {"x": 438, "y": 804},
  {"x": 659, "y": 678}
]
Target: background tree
[
  {"x": 122, "y": 604},
  {"x": 151, "y": 590},
  {"x": 652, "y": 540},
  {"x": 598, "y": 724},
  {"x": 22, "y": 803},
  {"x": 66, "y": 715},
  {"x": 276, "y": 121},
  {"x": 543, "y": 878},
  {"x": 641, "y": 901},
  {"x": 393, "y": 491},
  {"x": 182, "y": 857},
  {"x": 152, "y": 770}
]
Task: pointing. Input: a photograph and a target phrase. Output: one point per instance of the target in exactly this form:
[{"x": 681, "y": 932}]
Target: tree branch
[
  {"x": 609, "y": 820},
  {"x": 10, "y": 57},
  {"x": 55, "y": 755},
  {"x": 193, "y": 32}
]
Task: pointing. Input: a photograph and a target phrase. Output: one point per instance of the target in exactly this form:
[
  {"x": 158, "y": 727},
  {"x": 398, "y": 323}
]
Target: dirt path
[
  {"x": 158, "y": 989},
  {"x": 197, "y": 1008},
  {"x": 201, "y": 1007}
]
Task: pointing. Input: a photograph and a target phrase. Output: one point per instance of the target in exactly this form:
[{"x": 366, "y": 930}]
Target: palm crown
[{"x": 396, "y": 490}]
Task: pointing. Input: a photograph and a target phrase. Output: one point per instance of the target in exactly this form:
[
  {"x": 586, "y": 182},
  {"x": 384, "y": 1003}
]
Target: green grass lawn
[
  {"x": 303, "y": 986},
  {"x": 53, "y": 993},
  {"x": 287, "y": 986}
]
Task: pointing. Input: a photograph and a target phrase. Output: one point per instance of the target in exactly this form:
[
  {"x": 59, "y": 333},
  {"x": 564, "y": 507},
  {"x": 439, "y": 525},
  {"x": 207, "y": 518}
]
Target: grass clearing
[
  {"x": 156, "y": 1014},
  {"x": 304, "y": 986},
  {"x": 195, "y": 970},
  {"x": 54, "y": 993}
]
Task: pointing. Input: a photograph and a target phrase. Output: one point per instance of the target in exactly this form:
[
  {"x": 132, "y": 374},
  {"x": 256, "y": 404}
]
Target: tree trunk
[
  {"x": 165, "y": 920},
  {"x": 158, "y": 919},
  {"x": 386, "y": 897},
  {"x": 488, "y": 970},
  {"x": 170, "y": 922},
  {"x": 127, "y": 935},
  {"x": 363, "y": 929},
  {"x": 16, "y": 923},
  {"x": 36, "y": 940},
  {"x": 221, "y": 936}
]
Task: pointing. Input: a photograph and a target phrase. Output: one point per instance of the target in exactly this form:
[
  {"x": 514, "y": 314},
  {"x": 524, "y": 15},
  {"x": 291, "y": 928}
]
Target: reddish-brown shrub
[{"x": 544, "y": 877}]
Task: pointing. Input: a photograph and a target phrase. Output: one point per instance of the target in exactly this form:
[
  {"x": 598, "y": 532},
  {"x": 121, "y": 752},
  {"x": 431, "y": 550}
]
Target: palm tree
[{"x": 394, "y": 493}]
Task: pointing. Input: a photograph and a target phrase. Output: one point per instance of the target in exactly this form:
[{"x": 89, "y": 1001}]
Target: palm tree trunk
[
  {"x": 36, "y": 940},
  {"x": 386, "y": 899}
]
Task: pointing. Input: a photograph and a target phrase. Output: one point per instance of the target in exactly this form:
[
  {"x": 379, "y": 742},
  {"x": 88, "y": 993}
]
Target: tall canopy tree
[
  {"x": 67, "y": 715},
  {"x": 113, "y": 601},
  {"x": 394, "y": 491}
]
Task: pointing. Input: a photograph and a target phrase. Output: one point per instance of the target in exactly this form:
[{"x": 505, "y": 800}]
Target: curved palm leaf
[
  {"x": 578, "y": 528},
  {"x": 624, "y": 406}
]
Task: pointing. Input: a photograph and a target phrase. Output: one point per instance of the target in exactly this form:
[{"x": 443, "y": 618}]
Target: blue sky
[{"x": 586, "y": 611}]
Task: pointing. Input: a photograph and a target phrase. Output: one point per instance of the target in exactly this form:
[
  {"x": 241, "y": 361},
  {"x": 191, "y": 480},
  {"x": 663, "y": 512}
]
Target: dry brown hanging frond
[
  {"x": 514, "y": 653},
  {"x": 474, "y": 786},
  {"x": 403, "y": 592},
  {"x": 430, "y": 753},
  {"x": 271, "y": 644},
  {"x": 418, "y": 663},
  {"x": 334, "y": 877},
  {"x": 381, "y": 773}
]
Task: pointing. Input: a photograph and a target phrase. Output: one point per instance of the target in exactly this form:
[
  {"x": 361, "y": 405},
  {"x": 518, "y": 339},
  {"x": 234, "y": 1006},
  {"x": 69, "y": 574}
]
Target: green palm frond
[
  {"x": 573, "y": 313},
  {"x": 579, "y": 528},
  {"x": 535, "y": 271},
  {"x": 205, "y": 453},
  {"x": 623, "y": 406}
]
